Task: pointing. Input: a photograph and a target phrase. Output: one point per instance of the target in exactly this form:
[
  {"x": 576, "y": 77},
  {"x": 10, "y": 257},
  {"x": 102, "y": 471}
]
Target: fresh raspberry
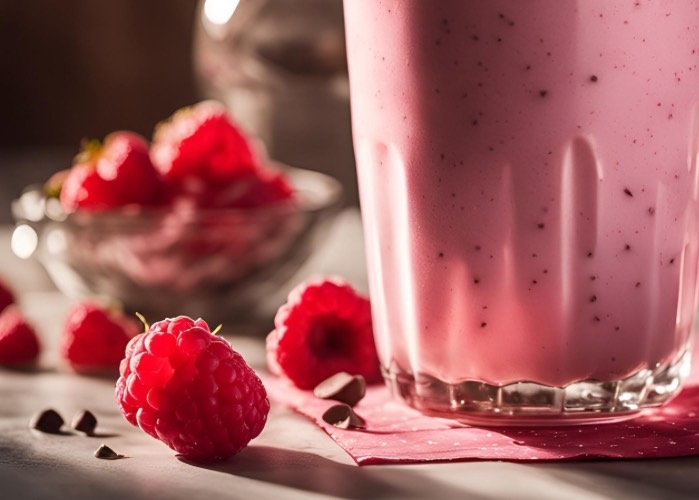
[
  {"x": 188, "y": 388},
  {"x": 7, "y": 297},
  {"x": 19, "y": 344},
  {"x": 323, "y": 329},
  {"x": 113, "y": 174},
  {"x": 201, "y": 147},
  {"x": 94, "y": 338}
]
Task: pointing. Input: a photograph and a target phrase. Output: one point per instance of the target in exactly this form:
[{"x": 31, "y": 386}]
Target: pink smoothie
[{"x": 528, "y": 180}]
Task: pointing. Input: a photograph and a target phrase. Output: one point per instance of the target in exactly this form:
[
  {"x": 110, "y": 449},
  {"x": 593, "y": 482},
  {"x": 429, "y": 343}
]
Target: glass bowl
[{"x": 217, "y": 264}]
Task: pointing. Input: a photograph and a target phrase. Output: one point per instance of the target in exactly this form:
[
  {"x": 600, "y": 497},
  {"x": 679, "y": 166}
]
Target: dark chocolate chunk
[
  {"x": 84, "y": 422},
  {"x": 48, "y": 421},
  {"x": 343, "y": 387},
  {"x": 106, "y": 453},
  {"x": 344, "y": 417}
]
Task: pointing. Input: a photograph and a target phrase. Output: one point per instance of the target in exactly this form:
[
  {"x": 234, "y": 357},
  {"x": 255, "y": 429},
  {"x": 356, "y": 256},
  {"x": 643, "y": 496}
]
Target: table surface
[{"x": 292, "y": 458}]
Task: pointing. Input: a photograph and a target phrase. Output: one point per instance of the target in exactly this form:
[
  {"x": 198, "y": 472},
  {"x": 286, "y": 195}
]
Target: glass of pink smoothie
[{"x": 528, "y": 181}]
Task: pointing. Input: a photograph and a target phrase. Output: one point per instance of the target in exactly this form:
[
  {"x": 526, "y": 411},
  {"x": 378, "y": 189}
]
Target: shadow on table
[
  {"x": 315, "y": 474},
  {"x": 654, "y": 478}
]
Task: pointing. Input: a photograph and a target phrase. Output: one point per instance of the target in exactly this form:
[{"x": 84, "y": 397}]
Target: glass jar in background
[{"x": 280, "y": 66}]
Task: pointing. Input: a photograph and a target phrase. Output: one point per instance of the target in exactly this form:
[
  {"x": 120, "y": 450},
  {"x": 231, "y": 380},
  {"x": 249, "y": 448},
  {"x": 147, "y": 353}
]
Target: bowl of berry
[{"x": 196, "y": 222}]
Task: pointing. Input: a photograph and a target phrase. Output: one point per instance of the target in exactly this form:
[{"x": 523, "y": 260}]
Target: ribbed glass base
[{"x": 532, "y": 404}]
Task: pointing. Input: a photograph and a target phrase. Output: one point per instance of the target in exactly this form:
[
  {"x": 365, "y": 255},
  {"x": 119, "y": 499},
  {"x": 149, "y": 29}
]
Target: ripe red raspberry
[
  {"x": 113, "y": 174},
  {"x": 94, "y": 338},
  {"x": 7, "y": 297},
  {"x": 201, "y": 147},
  {"x": 19, "y": 344},
  {"x": 324, "y": 328},
  {"x": 188, "y": 388}
]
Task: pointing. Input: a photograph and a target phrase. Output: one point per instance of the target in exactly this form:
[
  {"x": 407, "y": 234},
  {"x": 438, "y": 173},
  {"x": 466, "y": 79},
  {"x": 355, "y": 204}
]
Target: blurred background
[{"x": 82, "y": 68}]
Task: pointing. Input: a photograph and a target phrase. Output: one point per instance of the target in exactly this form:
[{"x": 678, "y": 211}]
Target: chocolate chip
[
  {"x": 106, "y": 453},
  {"x": 344, "y": 417},
  {"x": 48, "y": 421},
  {"x": 343, "y": 387},
  {"x": 84, "y": 422}
]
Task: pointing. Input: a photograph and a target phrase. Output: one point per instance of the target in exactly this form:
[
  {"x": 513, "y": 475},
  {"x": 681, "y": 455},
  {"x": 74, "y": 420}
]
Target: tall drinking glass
[{"x": 528, "y": 181}]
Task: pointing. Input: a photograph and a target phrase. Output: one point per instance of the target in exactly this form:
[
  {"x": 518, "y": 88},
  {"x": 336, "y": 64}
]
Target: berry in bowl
[{"x": 198, "y": 222}]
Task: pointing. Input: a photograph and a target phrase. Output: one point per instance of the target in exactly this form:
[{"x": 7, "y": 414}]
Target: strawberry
[
  {"x": 200, "y": 147},
  {"x": 84, "y": 189},
  {"x": 19, "y": 344},
  {"x": 113, "y": 174},
  {"x": 94, "y": 338}
]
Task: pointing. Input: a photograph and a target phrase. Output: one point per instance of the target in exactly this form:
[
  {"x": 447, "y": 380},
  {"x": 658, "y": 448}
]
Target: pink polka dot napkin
[{"x": 398, "y": 434}]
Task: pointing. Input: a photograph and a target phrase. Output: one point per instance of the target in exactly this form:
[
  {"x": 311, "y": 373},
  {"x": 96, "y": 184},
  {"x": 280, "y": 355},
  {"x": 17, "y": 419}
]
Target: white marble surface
[{"x": 291, "y": 458}]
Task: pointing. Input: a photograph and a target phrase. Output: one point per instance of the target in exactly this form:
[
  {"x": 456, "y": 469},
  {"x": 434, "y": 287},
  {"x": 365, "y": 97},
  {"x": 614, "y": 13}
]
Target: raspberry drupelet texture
[
  {"x": 324, "y": 328},
  {"x": 188, "y": 388}
]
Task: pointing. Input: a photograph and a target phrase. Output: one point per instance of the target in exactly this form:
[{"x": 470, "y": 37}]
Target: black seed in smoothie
[
  {"x": 593, "y": 298},
  {"x": 628, "y": 192},
  {"x": 627, "y": 247},
  {"x": 593, "y": 277},
  {"x": 651, "y": 210},
  {"x": 613, "y": 359},
  {"x": 534, "y": 282},
  {"x": 616, "y": 328},
  {"x": 541, "y": 225},
  {"x": 485, "y": 307},
  {"x": 474, "y": 122},
  {"x": 594, "y": 78},
  {"x": 638, "y": 284},
  {"x": 543, "y": 93},
  {"x": 545, "y": 271},
  {"x": 475, "y": 38},
  {"x": 589, "y": 255},
  {"x": 672, "y": 261},
  {"x": 477, "y": 248},
  {"x": 596, "y": 319},
  {"x": 440, "y": 254},
  {"x": 476, "y": 281},
  {"x": 484, "y": 324}
]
